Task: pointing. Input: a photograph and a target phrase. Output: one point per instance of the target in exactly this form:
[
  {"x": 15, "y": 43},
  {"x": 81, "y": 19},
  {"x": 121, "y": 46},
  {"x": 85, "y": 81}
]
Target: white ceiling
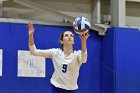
[
  {"x": 51, "y": 10},
  {"x": 46, "y": 10}
]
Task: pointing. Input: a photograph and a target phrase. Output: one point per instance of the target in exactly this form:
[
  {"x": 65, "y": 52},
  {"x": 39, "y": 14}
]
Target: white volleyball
[{"x": 81, "y": 24}]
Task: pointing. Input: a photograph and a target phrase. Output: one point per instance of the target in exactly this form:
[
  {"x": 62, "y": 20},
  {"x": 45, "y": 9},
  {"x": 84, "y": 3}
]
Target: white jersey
[{"x": 66, "y": 68}]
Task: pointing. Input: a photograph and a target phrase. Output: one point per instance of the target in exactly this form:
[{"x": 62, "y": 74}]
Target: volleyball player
[{"x": 66, "y": 61}]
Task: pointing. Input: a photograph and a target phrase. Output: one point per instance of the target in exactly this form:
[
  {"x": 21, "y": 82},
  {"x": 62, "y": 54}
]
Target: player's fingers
[
  {"x": 30, "y": 24},
  {"x": 81, "y": 35},
  {"x": 88, "y": 35}
]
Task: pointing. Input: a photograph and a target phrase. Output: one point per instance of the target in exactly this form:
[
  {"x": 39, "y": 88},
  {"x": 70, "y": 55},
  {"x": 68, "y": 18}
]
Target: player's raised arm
[
  {"x": 33, "y": 50},
  {"x": 84, "y": 38},
  {"x": 31, "y": 43},
  {"x": 31, "y": 30}
]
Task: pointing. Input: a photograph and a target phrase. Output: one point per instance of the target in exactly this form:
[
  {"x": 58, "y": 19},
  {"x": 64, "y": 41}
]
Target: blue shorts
[{"x": 59, "y": 90}]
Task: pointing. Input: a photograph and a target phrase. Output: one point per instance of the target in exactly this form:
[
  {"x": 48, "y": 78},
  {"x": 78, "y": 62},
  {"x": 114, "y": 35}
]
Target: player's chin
[{"x": 70, "y": 43}]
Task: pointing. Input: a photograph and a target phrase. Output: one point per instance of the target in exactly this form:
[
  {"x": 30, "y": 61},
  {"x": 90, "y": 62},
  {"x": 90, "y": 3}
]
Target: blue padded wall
[
  {"x": 127, "y": 60},
  {"x": 107, "y": 62},
  {"x": 120, "y": 72},
  {"x": 14, "y": 37}
]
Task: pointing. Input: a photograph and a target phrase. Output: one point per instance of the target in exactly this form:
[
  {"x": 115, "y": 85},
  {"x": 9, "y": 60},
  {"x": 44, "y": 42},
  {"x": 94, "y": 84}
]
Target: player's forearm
[
  {"x": 84, "y": 46},
  {"x": 31, "y": 40}
]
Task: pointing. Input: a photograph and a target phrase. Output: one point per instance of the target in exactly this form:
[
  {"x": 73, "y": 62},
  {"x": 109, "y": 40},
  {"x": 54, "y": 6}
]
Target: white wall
[{"x": 132, "y": 21}]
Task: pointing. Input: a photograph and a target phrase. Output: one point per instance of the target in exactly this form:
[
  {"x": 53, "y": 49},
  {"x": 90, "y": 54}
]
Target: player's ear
[
  {"x": 73, "y": 42},
  {"x": 61, "y": 41}
]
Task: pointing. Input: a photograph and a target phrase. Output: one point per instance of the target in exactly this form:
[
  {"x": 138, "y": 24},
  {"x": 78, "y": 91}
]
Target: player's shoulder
[
  {"x": 56, "y": 50},
  {"x": 77, "y": 52}
]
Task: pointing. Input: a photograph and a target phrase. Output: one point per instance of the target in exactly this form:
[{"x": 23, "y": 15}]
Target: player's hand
[
  {"x": 84, "y": 36},
  {"x": 31, "y": 29}
]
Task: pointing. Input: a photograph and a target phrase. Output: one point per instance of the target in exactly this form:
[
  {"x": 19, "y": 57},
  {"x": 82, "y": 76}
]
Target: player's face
[{"x": 68, "y": 38}]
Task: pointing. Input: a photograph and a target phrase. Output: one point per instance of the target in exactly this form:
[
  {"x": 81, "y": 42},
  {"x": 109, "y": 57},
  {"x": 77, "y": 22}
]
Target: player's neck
[{"x": 67, "y": 50}]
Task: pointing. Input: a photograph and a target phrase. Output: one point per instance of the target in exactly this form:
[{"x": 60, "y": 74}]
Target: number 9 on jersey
[{"x": 64, "y": 68}]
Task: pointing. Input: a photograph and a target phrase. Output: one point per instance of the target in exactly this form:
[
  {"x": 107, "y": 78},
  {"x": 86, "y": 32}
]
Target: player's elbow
[
  {"x": 84, "y": 59},
  {"x": 32, "y": 53}
]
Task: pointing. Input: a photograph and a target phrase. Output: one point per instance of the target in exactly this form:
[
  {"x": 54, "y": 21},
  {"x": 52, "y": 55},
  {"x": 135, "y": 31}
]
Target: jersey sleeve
[
  {"x": 43, "y": 53},
  {"x": 82, "y": 57}
]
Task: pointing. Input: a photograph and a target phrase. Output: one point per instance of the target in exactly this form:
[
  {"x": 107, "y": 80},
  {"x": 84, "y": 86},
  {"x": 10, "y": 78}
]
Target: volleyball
[{"x": 81, "y": 24}]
